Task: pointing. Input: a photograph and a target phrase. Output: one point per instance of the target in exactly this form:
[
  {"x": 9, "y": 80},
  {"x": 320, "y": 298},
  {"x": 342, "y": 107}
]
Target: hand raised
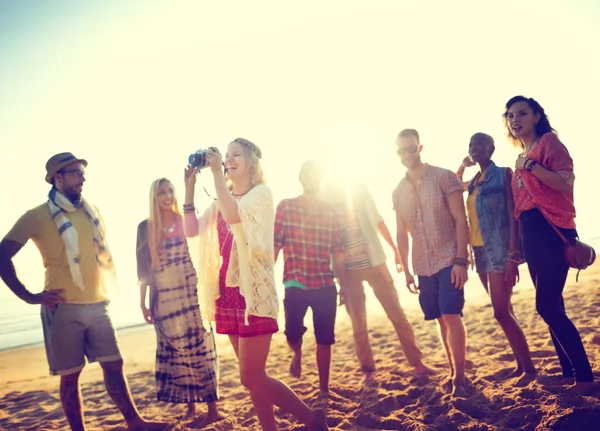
[{"x": 189, "y": 176}]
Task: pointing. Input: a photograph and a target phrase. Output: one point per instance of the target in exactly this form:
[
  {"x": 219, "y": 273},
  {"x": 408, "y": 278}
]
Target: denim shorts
[
  {"x": 482, "y": 263},
  {"x": 73, "y": 332},
  {"x": 438, "y": 295}
]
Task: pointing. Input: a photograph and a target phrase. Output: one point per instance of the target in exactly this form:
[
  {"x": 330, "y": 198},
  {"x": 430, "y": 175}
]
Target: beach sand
[{"x": 29, "y": 397}]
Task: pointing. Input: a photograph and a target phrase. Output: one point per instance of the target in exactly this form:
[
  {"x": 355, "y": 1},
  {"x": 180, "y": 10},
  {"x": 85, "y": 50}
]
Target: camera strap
[{"x": 206, "y": 191}]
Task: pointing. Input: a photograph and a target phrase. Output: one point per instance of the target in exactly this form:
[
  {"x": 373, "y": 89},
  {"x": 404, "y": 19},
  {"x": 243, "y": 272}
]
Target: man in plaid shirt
[
  {"x": 429, "y": 205},
  {"x": 308, "y": 231}
]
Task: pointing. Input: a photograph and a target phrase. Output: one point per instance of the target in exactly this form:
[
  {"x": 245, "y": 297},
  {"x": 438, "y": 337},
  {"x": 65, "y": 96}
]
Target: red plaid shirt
[{"x": 308, "y": 237}]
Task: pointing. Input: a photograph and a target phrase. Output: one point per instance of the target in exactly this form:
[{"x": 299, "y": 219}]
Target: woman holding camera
[
  {"x": 238, "y": 285},
  {"x": 543, "y": 194},
  {"x": 186, "y": 360}
]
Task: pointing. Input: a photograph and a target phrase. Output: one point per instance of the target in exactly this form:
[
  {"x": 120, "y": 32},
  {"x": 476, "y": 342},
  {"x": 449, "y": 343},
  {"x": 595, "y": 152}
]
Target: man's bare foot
[
  {"x": 446, "y": 384},
  {"x": 458, "y": 388},
  {"x": 525, "y": 379},
  {"x": 144, "y": 425},
  {"x": 319, "y": 421},
  {"x": 369, "y": 378},
  {"x": 567, "y": 381},
  {"x": 423, "y": 370},
  {"x": 582, "y": 388},
  {"x": 296, "y": 366},
  {"x": 518, "y": 372}
]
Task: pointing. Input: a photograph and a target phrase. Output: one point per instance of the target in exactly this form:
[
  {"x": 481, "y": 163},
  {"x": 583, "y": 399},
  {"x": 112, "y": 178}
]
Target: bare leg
[
  {"x": 484, "y": 280},
  {"x": 500, "y": 294},
  {"x": 323, "y": 365},
  {"x": 117, "y": 388},
  {"x": 457, "y": 342},
  {"x": 70, "y": 398},
  {"x": 213, "y": 413},
  {"x": 296, "y": 365},
  {"x": 191, "y": 410},
  {"x": 266, "y": 391},
  {"x": 262, "y": 406},
  {"x": 444, "y": 337}
]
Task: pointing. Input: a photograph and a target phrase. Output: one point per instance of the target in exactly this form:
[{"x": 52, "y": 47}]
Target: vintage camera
[{"x": 198, "y": 159}]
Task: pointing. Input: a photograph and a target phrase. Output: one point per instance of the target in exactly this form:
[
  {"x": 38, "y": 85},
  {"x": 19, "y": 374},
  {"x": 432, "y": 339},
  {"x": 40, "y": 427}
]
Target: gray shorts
[{"x": 73, "y": 332}]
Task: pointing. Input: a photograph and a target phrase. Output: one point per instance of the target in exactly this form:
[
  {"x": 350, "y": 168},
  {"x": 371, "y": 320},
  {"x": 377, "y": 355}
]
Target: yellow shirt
[
  {"x": 475, "y": 238},
  {"x": 37, "y": 224}
]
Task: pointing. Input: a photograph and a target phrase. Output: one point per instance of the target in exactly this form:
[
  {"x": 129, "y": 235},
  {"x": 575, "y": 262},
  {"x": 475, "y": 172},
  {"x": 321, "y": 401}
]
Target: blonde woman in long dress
[{"x": 186, "y": 360}]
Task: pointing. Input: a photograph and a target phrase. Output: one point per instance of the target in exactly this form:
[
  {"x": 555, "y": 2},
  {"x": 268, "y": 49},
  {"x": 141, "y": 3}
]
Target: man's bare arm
[
  {"x": 457, "y": 209},
  {"x": 8, "y": 249},
  {"x": 402, "y": 239}
]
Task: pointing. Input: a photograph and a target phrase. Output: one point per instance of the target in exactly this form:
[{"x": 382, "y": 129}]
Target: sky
[{"x": 134, "y": 87}]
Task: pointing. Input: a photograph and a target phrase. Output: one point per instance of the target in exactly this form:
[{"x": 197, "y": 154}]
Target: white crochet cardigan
[{"x": 251, "y": 261}]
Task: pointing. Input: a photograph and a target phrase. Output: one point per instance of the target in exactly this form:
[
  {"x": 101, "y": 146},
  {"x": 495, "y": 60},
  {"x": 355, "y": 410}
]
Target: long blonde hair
[{"x": 155, "y": 229}]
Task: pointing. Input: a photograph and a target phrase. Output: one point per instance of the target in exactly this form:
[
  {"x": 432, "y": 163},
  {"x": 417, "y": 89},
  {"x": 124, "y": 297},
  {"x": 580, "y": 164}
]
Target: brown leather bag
[{"x": 578, "y": 254}]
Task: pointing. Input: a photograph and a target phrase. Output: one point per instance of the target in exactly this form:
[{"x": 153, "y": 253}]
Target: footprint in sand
[
  {"x": 593, "y": 339},
  {"x": 586, "y": 418},
  {"x": 530, "y": 394},
  {"x": 542, "y": 353},
  {"x": 404, "y": 400},
  {"x": 387, "y": 405},
  {"x": 522, "y": 415},
  {"x": 505, "y": 357},
  {"x": 368, "y": 420},
  {"x": 470, "y": 408}
]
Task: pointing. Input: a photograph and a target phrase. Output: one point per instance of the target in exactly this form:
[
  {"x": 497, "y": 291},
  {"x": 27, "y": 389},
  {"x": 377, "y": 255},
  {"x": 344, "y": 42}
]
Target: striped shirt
[
  {"x": 424, "y": 209},
  {"x": 355, "y": 249}
]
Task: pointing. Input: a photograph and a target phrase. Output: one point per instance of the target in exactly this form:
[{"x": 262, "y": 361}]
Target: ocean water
[{"x": 20, "y": 322}]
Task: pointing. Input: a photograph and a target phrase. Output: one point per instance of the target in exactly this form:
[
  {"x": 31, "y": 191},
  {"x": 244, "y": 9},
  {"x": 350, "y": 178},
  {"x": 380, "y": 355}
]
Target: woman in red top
[{"x": 543, "y": 192}]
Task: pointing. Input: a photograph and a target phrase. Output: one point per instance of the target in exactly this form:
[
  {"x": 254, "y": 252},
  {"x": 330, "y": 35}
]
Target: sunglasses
[
  {"x": 410, "y": 150},
  {"x": 76, "y": 173}
]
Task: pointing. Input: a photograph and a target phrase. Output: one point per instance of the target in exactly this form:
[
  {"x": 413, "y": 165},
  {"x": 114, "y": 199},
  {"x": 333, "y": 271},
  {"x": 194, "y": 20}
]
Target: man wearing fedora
[{"x": 70, "y": 236}]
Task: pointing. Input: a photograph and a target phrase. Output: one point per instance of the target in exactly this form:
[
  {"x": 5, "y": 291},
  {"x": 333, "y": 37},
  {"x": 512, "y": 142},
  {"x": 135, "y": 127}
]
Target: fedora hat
[{"x": 60, "y": 161}]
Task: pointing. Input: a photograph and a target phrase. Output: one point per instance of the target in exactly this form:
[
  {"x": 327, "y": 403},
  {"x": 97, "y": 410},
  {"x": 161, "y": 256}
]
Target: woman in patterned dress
[
  {"x": 186, "y": 359},
  {"x": 543, "y": 192},
  {"x": 237, "y": 283}
]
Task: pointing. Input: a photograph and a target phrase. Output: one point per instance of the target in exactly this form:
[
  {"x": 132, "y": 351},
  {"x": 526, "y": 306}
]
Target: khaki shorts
[{"x": 73, "y": 332}]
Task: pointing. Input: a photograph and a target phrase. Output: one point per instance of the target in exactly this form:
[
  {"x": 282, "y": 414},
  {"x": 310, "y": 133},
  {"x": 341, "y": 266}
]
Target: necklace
[
  {"x": 242, "y": 194},
  {"x": 526, "y": 152},
  {"x": 169, "y": 229}
]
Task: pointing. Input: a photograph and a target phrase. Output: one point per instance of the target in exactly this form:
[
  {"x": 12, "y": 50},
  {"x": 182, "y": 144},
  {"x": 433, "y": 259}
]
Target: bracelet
[
  {"x": 461, "y": 262},
  {"x": 514, "y": 256},
  {"x": 529, "y": 167},
  {"x": 188, "y": 208}
]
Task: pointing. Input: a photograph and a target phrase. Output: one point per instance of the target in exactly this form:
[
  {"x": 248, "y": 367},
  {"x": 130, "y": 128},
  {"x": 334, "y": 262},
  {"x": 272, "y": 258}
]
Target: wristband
[
  {"x": 461, "y": 262},
  {"x": 529, "y": 167}
]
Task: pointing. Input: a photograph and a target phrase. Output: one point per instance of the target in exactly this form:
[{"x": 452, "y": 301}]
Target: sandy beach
[{"x": 29, "y": 397}]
